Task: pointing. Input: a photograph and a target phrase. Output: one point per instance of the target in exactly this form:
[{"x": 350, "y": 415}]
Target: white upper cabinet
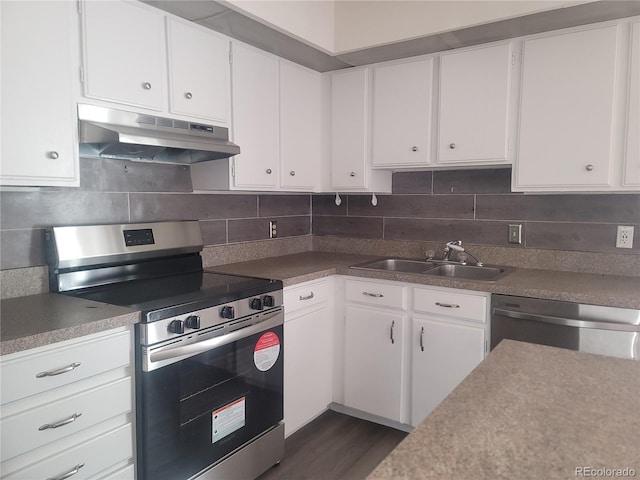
[
  {"x": 124, "y": 53},
  {"x": 255, "y": 76},
  {"x": 475, "y": 105},
  {"x": 568, "y": 113},
  {"x": 39, "y": 67},
  {"x": 350, "y": 121},
  {"x": 632, "y": 151},
  {"x": 199, "y": 72},
  {"x": 300, "y": 127},
  {"x": 402, "y": 111}
]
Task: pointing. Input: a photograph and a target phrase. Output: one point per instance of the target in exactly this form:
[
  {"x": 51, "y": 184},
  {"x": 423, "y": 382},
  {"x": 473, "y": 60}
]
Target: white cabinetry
[
  {"x": 568, "y": 112},
  {"x": 447, "y": 343},
  {"x": 308, "y": 364},
  {"x": 402, "y": 111},
  {"x": 124, "y": 53},
  {"x": 67, "y": 407},
  {"x": 632, "y": 151},
  {"x": 350, "y": 123},
  {"x": 39, "y": 65},
  {"x": 475, "y": 106}
]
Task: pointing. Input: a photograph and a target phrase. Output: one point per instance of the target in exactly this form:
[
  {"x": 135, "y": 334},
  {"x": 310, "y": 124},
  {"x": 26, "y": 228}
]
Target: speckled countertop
[
  {"x": 37, "y": 320},
  {"x": 609, "y": 290},
  {"x": 528, "y": 411}
]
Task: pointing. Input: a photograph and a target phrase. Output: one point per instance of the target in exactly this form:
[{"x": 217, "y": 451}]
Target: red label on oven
[{"x": 267, "y": 351}]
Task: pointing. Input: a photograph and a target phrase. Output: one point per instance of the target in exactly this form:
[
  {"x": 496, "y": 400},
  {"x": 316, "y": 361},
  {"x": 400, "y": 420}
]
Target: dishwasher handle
[{"x": 569, "y": 322}]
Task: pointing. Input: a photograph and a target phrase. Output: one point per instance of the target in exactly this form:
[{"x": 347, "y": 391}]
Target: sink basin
[
  {"x": 468, "y": 272},
  {"x": 437, "y": 268},
  {"x": 396, "y": 265}
]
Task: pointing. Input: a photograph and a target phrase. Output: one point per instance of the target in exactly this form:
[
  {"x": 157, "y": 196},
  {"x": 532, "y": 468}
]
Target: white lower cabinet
[
  {"x": 308, "y": 364},
  {"x": 74, "y": 412}
]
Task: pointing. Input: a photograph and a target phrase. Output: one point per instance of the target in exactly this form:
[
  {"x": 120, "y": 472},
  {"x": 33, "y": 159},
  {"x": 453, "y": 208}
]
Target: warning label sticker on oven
[
  {"x": 267, "y": 351},
  {"x": 227, "y": 419}
]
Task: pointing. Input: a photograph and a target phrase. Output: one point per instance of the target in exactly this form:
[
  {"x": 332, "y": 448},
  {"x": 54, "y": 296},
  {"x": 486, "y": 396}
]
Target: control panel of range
[{"x": 190, "y": 323}]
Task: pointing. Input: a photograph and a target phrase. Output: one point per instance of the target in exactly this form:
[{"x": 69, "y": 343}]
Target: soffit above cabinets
[{"x": 218, "y": 17}]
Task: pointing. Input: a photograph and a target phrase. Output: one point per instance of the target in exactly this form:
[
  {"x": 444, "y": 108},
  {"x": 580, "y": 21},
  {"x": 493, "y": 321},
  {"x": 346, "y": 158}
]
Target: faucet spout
[{"x": 455, "y": 245}]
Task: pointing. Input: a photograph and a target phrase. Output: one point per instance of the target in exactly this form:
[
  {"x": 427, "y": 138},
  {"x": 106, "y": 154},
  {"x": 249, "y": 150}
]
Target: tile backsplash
[{"x": 474, "y": 206}]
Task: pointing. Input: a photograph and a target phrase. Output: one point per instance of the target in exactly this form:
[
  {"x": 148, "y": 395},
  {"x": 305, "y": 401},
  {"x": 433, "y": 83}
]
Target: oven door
[{"x": 207, "y": 403}]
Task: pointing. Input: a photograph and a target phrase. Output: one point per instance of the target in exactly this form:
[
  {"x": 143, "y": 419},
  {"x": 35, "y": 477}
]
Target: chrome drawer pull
[
  {"x": 393, "y": 324},
  {"x": 422, "y": 339},
  {"x": 447, "y": 305},
  {"x": 376, "y": 295},
  {"x": 69, "y": 420},
  {"x": 70, "y": 473},
  {"x": 308, "y": 297},
  {"x": 73, "y": 366}
]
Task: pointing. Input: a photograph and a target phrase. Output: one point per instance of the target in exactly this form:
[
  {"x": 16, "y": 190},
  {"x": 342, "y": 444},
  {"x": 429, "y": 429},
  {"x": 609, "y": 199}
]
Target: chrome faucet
[{"x": 455, "y": 245}]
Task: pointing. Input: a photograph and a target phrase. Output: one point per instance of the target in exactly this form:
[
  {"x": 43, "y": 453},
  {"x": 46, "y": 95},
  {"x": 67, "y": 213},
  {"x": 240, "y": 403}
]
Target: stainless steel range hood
[{"x": 107, "y": 132}]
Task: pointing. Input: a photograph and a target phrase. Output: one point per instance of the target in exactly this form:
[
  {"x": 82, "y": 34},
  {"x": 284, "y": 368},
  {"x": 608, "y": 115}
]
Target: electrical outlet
[
  {"x": 273, "y": 229},
  {"x": 624, "y": 239},
  {"x": 515, "y": 233}
]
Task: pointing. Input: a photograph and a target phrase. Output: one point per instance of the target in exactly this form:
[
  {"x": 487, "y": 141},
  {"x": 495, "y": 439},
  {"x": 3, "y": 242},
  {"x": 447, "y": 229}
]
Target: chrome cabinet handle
[
  {"x": 589, "y": 168},
  {"x": 60, "y": 371},
  {"x": 146, "y": 86},
  {"x": 268, "y": 170},
  {"x": 188, "y": 95},
  {"x": 447, "y": 305},
  {"x": 292, "y": 173},
  {"x": 54, "y": 155},
  {"x": 422, "y": 339},
  {"x": 414, "y": 149},
  {"x": 393, "y": 324},
  {"x": 307, "y": 297},
  {"x": 69, "y": 420},
  {"x": 70, "y": 473},
  {"x": 352, "y": 174},
  {"x": 452, "y": 145},
  {"x": 376, "y": 295}
]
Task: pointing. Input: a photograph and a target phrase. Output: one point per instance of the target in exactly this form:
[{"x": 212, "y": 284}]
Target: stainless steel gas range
[{"x": 209, "y": 350}]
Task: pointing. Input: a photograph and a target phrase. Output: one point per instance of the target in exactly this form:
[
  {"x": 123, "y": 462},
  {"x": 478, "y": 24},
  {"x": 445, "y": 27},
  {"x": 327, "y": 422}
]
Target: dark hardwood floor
[{"x": 335, "y": 446}]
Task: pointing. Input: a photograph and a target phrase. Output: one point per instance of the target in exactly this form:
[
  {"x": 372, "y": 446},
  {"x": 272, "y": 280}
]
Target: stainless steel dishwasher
[{"x": 586, "y": 328}]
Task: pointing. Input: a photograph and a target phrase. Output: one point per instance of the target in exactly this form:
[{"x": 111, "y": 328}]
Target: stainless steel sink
[
  {"x": 396, "y": 265},
  {"x": 469, "y": 272},
  {"x": 484, "y": 273}
]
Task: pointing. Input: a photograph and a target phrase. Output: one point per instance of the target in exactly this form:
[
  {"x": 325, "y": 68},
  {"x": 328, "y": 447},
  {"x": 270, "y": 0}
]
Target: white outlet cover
[{"x": 624, "y": 238}]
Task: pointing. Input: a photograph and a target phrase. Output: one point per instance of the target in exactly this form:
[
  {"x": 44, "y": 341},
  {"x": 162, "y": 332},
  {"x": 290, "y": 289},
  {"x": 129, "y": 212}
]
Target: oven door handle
[
  {"x": 569, "y": 322},
  {"x": 174, "y": 353}
]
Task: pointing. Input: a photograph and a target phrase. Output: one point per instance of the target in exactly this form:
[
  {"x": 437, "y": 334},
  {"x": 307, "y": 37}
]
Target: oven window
[{"x": 194, "y": 412}]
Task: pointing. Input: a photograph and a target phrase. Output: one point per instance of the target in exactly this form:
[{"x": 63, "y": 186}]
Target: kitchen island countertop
[{"x": 529, "y": 411}]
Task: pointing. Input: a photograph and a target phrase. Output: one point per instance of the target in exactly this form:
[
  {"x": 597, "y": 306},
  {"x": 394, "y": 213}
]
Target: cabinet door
[
  {"x": 308, "y": 368},
  {"x": 124, "y": 53},
  {"x": 255, "y": 117},
  {"x": 374, "y": 374},
  {"x": 300, "y": 113},
  {"x": 199, "y": 73},
  {"x": 349, "y": 125},
  {"x": 402, "y": 106},
  {"x": 39, "y": 133},
  {"x": 567, "y": 120},
  {"x": 632, "y": 158},
  {"x": 443, "y": 354},
  {"x": 474, "y": 105}
]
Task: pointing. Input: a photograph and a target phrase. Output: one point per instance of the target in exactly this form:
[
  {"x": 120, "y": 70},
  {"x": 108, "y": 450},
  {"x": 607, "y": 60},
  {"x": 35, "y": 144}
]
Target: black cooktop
[{"x": 172, "y": 295}]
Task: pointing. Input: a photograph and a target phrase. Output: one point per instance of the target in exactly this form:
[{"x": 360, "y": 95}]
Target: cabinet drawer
[
  {"x": 95, "y": 455},
  {"x": 452, "y": 304},
  {"x": 25, "y": 431},
  {"x": 305, "y": 295},
  {"x": 372, "y": 293},
  {"x": 35, "y": 373}
]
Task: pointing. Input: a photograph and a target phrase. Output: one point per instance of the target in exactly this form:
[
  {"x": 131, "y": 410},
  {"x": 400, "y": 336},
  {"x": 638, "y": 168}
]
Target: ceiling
[{"x": 218, "y": 17}]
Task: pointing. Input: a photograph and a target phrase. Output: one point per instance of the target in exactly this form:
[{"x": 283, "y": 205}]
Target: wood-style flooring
[{"x": 335, "y": 446}]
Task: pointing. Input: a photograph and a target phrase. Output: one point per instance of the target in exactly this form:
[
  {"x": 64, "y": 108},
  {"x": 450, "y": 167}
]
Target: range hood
[{"x": 112, "y": 133}]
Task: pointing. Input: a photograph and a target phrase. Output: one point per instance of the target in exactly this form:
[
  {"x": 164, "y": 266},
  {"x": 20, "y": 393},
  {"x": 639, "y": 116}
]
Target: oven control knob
[
  {"x": 256, "y": 304},
  {"x": 268, "y": 301},
  {"x": 227, "y": 312},
  {"x": 176, "y": 326},
  {"x": 192, "y": 321}
]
